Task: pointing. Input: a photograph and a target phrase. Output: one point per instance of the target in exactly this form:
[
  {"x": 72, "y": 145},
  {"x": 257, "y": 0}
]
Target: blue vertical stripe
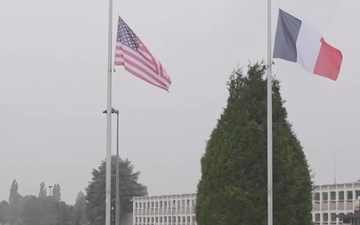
[{"x": 287, "y": 32}]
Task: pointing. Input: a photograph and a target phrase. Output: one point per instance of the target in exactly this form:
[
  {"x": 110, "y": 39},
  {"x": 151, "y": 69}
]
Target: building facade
[
  {"x": 164, "y": 210},
  {"x": 332, "y": 202}
]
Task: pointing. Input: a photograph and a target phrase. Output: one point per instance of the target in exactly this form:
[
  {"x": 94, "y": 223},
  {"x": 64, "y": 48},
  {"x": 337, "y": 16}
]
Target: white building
[
  {"x": 329, "y": 202},
  {"x": 332, "y": 200},
  {"x": 164, "y": 210}
]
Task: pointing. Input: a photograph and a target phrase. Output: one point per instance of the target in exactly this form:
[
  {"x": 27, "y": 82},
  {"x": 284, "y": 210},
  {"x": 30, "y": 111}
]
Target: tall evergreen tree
[
  {"x": 56, "y": 192},
  {"x": 233, "y": 186},
  {"x": 79, "y": 208},
  {"x": 42, "y": 192},
  {"x": 15, "y": 204},
  {"x": 14, "y": 194}
]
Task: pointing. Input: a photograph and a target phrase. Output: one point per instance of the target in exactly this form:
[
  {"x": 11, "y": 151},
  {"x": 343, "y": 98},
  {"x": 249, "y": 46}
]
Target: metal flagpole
[
  {"x": 117, "y": 207},
  {"x": 108, "y": 127},
  {"x": 269, "y": 119}
]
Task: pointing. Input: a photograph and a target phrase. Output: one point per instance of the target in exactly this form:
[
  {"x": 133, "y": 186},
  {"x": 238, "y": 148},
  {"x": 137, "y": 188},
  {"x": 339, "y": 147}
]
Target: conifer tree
[{"x": 233, "y": 185}]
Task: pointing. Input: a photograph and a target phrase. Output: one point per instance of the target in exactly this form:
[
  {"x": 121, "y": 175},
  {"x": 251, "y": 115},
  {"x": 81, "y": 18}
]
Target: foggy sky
[{"x": 53, "y": 63}]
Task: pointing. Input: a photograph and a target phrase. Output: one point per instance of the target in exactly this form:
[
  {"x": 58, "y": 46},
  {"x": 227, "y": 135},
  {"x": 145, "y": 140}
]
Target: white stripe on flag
[
  {"x": 308, "y": 46},
  {"x": 144, "y": 64}
]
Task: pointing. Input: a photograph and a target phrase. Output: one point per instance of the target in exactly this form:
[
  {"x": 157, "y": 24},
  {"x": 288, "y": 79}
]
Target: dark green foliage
[
  {"x": 79, "y": 208},
  {"x": 129, "y": 187},
  {"x": 15, "y": 204},
  {"x": 42, "y": 192},
  {"x": 32, "y": 213},
  {"x": 4, "y": 212},
  {"x": 65, "y": 213},
  {"x": 14, "y": 194},
  {"x": 56, "y": 192},
  {"x": 46, "y": 210},
  {"x": 233, "y": 186},
  {"x": 50, "y": 210}
]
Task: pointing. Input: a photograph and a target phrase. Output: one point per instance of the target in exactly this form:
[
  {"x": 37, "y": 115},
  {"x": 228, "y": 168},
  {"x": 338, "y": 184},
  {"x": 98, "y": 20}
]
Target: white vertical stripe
[{"x": 308, "y": 46}]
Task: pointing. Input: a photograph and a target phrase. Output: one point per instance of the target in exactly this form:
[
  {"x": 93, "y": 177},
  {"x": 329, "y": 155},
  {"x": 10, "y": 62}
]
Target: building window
[
  {"x": 160, "y": 204},
  {"x": 140, "y": 219},
  {"x": 174, "y": 204},
  {"x": 136, "y": 205},
  {"x": 156, "y": 204},
  {"x": 152, "y": 219},
  {"x": 317, "y": 196},
  {"x": 148, "y": 204},
  {"x": 341, "y": 195},
  {"x": 148, "y": 219},
  {"x": 169, "y": 219},
  {"x": 341, "y": 215},
  {"x": 349, "y": 195},
  {"x": 317, "y": 217},
  {"x": 357, "y": 194},
  {"x": 179, "y": 219},
  {"x": 179, "y": 203},
  {"x": 188, "y": 203},
  {"x": 324, "y": 196},
  {"x": 184, "y": 219},
  {"x": 188, "y": 219},
  {"x": 174, "y": 219},
  {"x": 156, "y": 219},
  {"x": 136, "y": 220},
  {"x": 165, "y": 204},
  {"x": 152, "y": 204},
  {"x": 165, "y": 220},
  {"x": 333, "y": 217},
  {"x": 160, "y": 219},
  {"x": 333, "y": 196},
  {"x": 325, "y": 217},
  {"x": 183, "y": 203}
]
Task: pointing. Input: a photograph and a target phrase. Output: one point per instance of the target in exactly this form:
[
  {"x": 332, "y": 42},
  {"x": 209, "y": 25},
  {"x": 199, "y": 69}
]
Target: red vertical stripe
[{"x": 328, "y": 62}]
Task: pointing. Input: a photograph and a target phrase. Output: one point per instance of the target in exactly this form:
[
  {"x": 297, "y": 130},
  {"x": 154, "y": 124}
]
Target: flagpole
[
  {"x": 269, "y": 119},
  {"x": 117, "y": 207},
  {"x": 108, "y": 127}
]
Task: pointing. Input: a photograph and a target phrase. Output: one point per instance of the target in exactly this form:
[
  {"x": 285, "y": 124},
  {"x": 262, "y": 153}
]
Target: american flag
[{"x": 131, "y": 53}]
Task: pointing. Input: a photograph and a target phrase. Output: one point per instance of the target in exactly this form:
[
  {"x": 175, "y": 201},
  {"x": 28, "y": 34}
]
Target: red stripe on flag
[
  {"x": 142, "y": 64},
  {"x": 141, "y": 61},
  {"x": 329, "y": 61},
  {"x": 145, "y": 73},
  {"x": 144, "y": 78}
]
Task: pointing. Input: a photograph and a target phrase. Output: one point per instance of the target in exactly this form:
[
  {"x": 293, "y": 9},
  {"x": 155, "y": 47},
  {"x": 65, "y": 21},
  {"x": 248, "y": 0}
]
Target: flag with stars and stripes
[{"x": 131, "y": 53}]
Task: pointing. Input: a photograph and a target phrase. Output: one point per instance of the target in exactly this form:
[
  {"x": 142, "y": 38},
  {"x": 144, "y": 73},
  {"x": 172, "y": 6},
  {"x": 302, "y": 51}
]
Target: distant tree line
[{"x": 89, "y": 208}]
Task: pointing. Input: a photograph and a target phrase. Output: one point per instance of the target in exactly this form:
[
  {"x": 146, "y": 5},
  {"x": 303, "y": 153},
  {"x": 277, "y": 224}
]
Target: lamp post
[{"x": 117, "y": 192}]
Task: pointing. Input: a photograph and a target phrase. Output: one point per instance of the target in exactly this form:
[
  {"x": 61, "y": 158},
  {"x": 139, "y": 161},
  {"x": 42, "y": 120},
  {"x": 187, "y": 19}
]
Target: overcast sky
[{"x": 53, "y": 63}]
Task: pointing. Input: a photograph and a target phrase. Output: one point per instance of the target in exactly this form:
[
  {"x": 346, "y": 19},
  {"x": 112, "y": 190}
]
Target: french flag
[{"x": 296, "y": 41}]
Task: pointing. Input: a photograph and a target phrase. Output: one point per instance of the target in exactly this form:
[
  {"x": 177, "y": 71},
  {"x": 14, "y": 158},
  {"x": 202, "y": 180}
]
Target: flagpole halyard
[{"x": 269, "y": 119}]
